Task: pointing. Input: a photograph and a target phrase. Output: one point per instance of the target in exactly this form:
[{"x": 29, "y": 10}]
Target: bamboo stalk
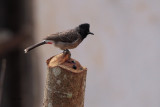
[{"x": 65, "y": 83}]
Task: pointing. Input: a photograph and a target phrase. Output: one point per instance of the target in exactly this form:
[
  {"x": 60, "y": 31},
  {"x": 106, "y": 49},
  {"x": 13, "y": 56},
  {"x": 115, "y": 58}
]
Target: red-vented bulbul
[{"x": 65, "y": 40}]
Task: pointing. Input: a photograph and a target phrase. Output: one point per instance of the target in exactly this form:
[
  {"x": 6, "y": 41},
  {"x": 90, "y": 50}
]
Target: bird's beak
[{"x": 91, "y": 33}]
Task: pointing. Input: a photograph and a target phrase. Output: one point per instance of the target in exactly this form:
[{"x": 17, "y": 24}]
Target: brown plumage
[{"x": 65, "y": 40}]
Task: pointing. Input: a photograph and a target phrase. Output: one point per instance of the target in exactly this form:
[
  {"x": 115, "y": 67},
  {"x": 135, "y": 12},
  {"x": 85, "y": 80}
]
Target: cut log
[{"x": 65, "y": 82}]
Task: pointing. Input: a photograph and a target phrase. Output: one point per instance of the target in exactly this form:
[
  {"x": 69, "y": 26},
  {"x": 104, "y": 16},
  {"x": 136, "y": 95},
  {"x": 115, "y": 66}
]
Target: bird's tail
[{"x": 34, "y": 46}]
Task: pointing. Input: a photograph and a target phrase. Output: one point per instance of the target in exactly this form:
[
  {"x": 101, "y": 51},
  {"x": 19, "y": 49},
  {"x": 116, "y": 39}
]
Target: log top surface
[{"x": 64, "y": 61}]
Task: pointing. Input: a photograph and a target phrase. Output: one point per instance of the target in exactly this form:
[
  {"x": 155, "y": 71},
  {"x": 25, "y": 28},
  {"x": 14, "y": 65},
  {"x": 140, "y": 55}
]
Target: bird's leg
[{"x": 66, "y": 51}]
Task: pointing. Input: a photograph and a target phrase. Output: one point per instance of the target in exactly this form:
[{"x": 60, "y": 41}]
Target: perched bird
[{"x": 65, "y": 40}]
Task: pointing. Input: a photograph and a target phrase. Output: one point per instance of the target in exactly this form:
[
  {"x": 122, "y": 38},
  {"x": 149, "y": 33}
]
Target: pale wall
[{"x": 123, "y": 57}]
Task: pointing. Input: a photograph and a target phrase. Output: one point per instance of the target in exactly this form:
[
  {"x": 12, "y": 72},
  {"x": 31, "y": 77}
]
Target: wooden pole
[{"x": 65, "y": 83}]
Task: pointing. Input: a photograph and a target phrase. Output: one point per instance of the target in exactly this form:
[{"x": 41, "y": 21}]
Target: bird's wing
[{"x": 68, "y": 36}]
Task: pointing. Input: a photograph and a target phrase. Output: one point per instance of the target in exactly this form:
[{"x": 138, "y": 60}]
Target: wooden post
[{"x": 65, "y": 83}]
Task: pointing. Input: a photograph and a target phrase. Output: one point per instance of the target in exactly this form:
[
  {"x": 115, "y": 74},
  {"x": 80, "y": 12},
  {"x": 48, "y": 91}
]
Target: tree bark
[{"x": 65, "y": 83}]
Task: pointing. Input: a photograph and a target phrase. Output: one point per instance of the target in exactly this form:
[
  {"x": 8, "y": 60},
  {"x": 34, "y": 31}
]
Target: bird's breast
[{"x": 66, "y": 45}]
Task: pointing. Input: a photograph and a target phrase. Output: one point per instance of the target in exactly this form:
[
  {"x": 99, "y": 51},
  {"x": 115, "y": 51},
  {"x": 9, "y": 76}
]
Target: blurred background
[{"x": 123, "y": 57}]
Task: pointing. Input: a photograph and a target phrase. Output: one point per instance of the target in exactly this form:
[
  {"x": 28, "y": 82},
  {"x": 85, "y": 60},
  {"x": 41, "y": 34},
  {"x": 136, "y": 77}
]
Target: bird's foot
[{"x": 66, "y": 51}]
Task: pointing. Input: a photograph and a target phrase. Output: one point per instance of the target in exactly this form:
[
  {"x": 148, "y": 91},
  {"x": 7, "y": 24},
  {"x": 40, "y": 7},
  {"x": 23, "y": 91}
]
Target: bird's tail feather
[{"x": 34, "y": 46}]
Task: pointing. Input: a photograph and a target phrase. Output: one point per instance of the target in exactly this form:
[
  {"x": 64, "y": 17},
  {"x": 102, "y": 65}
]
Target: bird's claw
[{"x": 66, "y": 51}]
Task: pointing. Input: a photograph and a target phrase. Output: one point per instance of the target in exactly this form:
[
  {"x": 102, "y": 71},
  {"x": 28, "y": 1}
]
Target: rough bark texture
[{"x": 65, "y": 85}]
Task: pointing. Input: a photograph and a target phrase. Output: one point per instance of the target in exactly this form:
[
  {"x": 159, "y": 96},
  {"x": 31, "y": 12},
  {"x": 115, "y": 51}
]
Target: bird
[{"x": 65, "y": 40}]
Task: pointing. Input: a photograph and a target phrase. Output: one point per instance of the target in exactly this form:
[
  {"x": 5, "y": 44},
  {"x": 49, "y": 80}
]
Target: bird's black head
[{"x": 84, "y": 30}]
